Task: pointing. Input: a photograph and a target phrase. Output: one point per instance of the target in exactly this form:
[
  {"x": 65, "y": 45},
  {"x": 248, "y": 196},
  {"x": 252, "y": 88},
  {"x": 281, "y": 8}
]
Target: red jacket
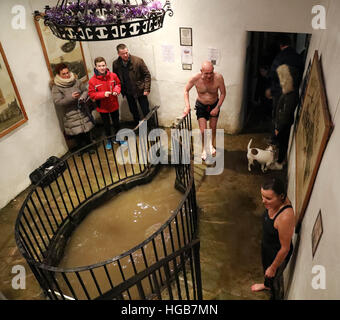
[{"x": 98, "y": 84}]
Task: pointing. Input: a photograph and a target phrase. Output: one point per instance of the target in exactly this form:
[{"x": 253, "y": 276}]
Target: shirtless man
[{"x": 208, "y": 102}]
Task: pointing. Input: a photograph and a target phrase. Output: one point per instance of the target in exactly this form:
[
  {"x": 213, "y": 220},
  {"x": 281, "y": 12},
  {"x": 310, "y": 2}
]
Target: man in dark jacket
[
  {"x": 290, "y": 57},
  {"x": 285, "y": 112},
  {"x": 135, "y": 80}
]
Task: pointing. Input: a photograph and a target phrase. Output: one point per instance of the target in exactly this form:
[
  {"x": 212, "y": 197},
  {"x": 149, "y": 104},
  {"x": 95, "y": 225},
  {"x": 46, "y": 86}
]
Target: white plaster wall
[{"x": 324, "y": 195}]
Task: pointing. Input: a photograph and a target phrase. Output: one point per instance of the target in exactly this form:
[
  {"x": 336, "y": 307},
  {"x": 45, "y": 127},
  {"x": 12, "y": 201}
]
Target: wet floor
[{"x": 229, "y": 227}]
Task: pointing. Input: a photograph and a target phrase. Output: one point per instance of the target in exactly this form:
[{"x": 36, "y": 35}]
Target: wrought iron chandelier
[{"x": 104, "y": 20}]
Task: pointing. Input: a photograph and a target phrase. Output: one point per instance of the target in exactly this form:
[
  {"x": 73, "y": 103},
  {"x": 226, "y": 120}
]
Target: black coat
[
  {"x": 289, "y": 57},
  {"x": 285, "y": 110}
]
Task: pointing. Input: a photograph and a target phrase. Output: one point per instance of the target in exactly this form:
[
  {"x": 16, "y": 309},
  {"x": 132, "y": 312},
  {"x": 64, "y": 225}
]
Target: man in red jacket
[{"x": 104, "y": 88}]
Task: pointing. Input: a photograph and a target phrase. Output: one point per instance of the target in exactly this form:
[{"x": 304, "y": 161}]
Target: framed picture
[
  {"x": 57, "y": 50},
  {"x": 302, "y": 95},
  {"x": 12, "y": 112},
  {"x": 313, "y": 131},
  {"x": 317, "y": 233},
  {"x": 186, "y": 66},
  {"x": 185, "y": 36}
]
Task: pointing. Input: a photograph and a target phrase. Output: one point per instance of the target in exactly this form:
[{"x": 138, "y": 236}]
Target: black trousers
[
  {"x": 144, "y": 105},
  {"x": 82, "y": 139},
  {"x": 282, "y": 141},
  {"x": 276, "y": 283},
  {"x": 106, "y": 121}
]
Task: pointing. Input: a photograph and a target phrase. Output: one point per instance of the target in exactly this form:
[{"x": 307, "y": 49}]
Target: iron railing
[{"x": 51, "y": 213}]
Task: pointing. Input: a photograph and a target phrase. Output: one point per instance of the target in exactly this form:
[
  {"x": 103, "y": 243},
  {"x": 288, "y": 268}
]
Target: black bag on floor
[{"x": 54, "y": 164}]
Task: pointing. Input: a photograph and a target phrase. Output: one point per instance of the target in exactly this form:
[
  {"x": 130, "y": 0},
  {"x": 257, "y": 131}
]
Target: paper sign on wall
[
  {"x": 168, "y": 53},
  {"x": 186, "y": 55},
  {"x": 214, "y": 56}
]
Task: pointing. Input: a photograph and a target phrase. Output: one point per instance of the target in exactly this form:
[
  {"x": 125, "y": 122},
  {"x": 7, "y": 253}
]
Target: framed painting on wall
[
  {"x": 313, "y": 131},
  {"x": 57, "y": 50},
  {"x": 317, "y": 233},
  {"x": 12, "y": 111}
]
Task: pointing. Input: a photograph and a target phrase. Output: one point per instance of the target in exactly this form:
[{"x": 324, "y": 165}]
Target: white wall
[
  {"x": 221, "y": 24},
  {"x": 324, "y": 195}
]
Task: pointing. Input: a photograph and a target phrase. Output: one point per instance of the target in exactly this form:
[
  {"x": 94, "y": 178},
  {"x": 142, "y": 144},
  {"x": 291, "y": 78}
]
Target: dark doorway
[{"x": 261, "y": 51}]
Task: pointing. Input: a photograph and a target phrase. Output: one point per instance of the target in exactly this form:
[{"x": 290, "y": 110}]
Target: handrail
[
  {"x": 126, "y": 253},
  {"x": 111, "y": 294},
  {"x": 34, "y": 237}
]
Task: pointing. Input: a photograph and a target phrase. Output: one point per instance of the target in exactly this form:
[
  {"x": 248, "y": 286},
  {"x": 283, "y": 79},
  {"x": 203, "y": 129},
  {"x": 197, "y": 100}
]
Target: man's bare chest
[{"x": 204, "y": 87}]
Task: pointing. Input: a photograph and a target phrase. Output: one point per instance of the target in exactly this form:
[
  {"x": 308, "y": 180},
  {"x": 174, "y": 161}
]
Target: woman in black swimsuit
[{"x": 278, "y": 229}]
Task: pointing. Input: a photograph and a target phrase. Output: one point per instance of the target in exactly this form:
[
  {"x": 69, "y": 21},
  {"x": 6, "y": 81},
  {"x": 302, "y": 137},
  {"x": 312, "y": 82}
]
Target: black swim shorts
[{"x": 203, "y": 110}]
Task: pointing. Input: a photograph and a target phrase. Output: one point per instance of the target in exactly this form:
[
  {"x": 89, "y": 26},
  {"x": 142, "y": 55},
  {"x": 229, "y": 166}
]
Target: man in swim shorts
[{"x": 208, "y": 85}]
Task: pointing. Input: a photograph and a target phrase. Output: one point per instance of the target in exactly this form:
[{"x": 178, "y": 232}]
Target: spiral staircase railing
[{"x": 164, "y": 266}]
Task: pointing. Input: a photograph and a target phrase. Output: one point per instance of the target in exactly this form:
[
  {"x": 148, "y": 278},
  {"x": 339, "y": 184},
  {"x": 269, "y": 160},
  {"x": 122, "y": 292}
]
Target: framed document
[
  {"x": 12, "y": 112},
  {"x": 185, "y": 36}
]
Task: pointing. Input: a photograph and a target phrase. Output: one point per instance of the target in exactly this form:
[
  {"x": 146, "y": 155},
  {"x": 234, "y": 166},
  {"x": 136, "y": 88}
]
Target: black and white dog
[{"x": 265, "y": 158}]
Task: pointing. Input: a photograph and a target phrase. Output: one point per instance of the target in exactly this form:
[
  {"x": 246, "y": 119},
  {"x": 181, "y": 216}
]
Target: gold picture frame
[
  {"x": 57, "y": 50},
  {"x": 313, "y": 131},
  {"x": 12, "y": 111}
]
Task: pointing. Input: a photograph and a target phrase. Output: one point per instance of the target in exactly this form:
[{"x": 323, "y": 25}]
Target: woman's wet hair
[{"x": 276, "y": 185}]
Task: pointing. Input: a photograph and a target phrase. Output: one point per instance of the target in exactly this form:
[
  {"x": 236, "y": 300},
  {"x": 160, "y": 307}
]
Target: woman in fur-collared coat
[
  {"x": 285, "y": 109},
  {"x": 67, "y": 91}
]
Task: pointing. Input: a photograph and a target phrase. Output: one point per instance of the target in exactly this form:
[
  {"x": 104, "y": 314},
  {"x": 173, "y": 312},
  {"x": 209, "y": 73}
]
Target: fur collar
[
  {"x": 65, "y": 83},
  {"x": 286, "y": 79}
]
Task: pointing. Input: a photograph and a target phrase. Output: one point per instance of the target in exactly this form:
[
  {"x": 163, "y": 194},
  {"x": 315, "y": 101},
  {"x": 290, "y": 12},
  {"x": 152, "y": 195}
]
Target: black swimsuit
[
  {"x": 203, "y": 110},
  {"x": 271, "y": 241}
]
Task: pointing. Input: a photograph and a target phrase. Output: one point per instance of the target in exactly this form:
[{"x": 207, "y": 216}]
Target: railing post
[{"x": 197, "y": 267}]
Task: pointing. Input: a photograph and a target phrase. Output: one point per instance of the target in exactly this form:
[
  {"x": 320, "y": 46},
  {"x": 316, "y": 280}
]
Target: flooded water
[
  {"x": 116, "y": 227},
  {"x": 124, "y": 222}
]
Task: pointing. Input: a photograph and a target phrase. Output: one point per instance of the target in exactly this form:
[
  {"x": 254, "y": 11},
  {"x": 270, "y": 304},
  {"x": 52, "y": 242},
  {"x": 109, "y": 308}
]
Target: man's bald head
[
  {"x": 207, "y": 70},
  {"x": 207, "y": 65}
]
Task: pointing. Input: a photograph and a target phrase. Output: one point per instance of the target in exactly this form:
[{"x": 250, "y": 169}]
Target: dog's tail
[{"x": 249, "y": 143}]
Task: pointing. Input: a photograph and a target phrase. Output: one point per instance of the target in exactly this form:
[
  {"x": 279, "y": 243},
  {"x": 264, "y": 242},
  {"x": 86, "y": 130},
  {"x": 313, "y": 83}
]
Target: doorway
[{"x": 261, "y": 50}]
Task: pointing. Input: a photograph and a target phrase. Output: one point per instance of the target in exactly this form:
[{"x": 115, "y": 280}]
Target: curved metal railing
[{"x": 51, "y": 212}]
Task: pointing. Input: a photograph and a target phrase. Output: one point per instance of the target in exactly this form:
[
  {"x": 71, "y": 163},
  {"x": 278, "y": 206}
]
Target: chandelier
[{"x": 104, "y": 20}]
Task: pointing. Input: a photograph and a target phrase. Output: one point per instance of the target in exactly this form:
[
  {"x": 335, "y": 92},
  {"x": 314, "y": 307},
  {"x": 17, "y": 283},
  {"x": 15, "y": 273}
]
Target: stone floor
[{"x": 229, "y": 229}]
